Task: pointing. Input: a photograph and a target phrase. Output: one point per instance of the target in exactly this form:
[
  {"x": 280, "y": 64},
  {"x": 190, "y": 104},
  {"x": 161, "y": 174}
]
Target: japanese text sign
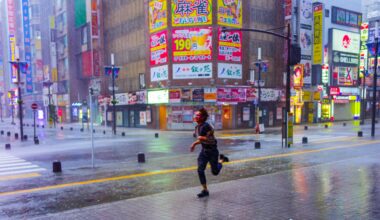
[
  {"x": 230, "y": 46},
  {"x": 230, "y": 13},
  {"x": 157, "y": 15},
  {"x": 158, "y": 48},
  {"x": 191, "y": 12},
  {"x": 194, "y": 44}
]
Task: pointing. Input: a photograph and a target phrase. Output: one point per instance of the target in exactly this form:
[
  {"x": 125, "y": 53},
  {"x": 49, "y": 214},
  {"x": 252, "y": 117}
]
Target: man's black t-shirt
[{"x": 205, "y": 129}]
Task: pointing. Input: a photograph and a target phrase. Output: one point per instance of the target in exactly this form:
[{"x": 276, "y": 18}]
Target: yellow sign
[
  {"x": 158, "y": 19},
  {"x": 352, "y": 98},
  {"x": 317, "y": 96},
  {"x": 230, "y": 13},
  {"x": 306, "y": 96},
  {"x": 191, "y": 13},
  {"x": 318, "y": 34}
]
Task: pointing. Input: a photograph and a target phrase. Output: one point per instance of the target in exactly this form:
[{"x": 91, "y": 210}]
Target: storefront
[{"x": 345, "y": 103}]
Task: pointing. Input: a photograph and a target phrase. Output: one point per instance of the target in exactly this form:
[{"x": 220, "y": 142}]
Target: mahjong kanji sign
[{"x": 191, "y": 12}]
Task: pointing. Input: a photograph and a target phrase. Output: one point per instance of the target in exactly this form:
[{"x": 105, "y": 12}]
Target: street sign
[{"x": 34, "y": 106}]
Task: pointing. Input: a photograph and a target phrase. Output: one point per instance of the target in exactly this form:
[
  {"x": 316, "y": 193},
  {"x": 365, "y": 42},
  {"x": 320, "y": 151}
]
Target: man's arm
[{"x": 195, "y": 143}]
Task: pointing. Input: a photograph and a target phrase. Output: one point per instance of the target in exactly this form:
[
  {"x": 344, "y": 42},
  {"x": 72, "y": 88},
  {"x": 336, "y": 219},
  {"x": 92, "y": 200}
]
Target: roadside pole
[{"x": 91, "y": 92}]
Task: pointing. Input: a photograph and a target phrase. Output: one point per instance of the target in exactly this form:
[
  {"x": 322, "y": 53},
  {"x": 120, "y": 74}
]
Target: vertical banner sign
[
  {"x": 158, "y": 48},
  {"x": 12, "y": 38},
  {"x": 191, "y": 12},
  {"x": 318, "y": 34},
  {"x": 363, "y": 49},
  {"x": 229, "y": 46},
  {"x": 192, "y": 44},
  {"x": 28, "y": 54},
  {"x": 230, "y": 13},
  {"x": 298, "y": 76},
  {"x": 157, "y": 15}
]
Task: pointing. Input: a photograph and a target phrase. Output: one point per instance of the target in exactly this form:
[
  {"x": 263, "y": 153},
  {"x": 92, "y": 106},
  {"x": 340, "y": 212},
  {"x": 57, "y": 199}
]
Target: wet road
[{"x": 169, "y": 166}]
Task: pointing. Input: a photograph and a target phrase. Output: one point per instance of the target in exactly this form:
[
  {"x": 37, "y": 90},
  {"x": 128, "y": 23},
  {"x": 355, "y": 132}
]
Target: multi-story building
[
  {"x": 370, "y": 9},
  {"x": 329, "y": 35},
  {"x": 174, "y": 58}
]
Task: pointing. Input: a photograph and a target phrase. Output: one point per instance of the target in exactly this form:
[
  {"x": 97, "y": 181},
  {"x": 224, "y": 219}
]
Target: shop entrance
[
  {"x": 162, "y": 117},
  {"x": 227, "y": 117}
]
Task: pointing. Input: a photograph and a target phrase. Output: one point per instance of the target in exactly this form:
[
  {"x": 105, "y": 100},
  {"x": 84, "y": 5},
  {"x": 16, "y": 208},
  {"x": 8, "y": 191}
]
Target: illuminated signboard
[
  {"x": 345, "y": 17},
  {"x": 344, "y": 41},
  {"x": 157, "y": 15},
  {"x": 192, "y": 44},
  {"x": 158, "y": 97},
  {"x": 318, "y": 34},
  {"x": 230, "y": 13},
  {"x": 191, "y": 12}
]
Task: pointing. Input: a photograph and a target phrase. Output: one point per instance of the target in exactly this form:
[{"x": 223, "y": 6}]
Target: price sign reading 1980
[{"x": 194, "y": 44}]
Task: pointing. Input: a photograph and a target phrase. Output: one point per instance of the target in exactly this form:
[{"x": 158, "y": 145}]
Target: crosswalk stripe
[
  {"x": 18, "y": 168},
  {"x": 12, "y": 161},
  {"x": 15, "y": 164},
  {"x": 22, "y": 171}
]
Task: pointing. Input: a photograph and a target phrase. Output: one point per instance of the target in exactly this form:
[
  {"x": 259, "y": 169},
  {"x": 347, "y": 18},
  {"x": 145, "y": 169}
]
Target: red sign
[
  {"x": 158, "y": 48},
  {"x": 192, "y": 44},
  {"x": 231, "y": 94},
  {"x": 230, "y": 46},
  {"x": 251, "y": 94},
  {"x": 334, "y": 91},
  {"x": 34, "y": 106}
]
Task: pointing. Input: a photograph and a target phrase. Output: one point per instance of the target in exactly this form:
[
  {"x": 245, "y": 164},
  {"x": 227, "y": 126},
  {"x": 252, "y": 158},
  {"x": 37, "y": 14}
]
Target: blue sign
[{"x": 27, "y": 45}]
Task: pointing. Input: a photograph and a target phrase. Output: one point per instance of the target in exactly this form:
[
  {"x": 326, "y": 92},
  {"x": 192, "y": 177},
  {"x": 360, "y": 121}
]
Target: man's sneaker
[
  {"x": 224, "y": 158},
  {"x": 204, "y": 193}
]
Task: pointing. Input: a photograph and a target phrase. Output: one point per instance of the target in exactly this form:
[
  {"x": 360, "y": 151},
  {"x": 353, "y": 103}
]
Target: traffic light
[{"x": 295, "y": 54}]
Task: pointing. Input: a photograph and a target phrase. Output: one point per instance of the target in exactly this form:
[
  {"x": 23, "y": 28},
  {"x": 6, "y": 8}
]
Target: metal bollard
[
  {"x": 7, "y": 146},
  {"x": 344, "y": 124},
  {"x": 304, "y": 140},
  {"x": 8, "y": 133},
  {"x": 141, "y": 157},
  {"x": 306, "y": 128},
  {"x": 61, "y": 128},
  {"x": 2, "y": 132},
  {"x": 36, "y": 141},
  {"x": 93, "y": 131},
  {"x": 43, "y": 126},
  {"x": 123, "y": 134},
  {"x": 257, "y": 145},
  {"x": 25, "y": 137},
  {"x": 81, "y": 129},
  {"x": 326, "y": 126},
  {"x": 57, "y": 167},
  {"x": 71, "y": 129},
  {"x": 16, "y": 136},
  {"x": 156, "y": 135},
  {"x": 104, "y": 132},
  {"x": 360, "y": 133},
  {"x": 38, "y": 126}
]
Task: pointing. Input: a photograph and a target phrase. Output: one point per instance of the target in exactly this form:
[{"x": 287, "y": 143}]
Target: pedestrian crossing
[{"x": 11, "y": 165}]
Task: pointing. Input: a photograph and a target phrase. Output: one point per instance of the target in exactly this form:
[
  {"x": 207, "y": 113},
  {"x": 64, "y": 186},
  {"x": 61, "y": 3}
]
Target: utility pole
[
  {"x": 91, "y": 92},
  {"x": 48, "y": 84},
  {"x": 374, "y": 100},
  {"x": 113, "y": 71},
  {"x": 18, "y": 65}
]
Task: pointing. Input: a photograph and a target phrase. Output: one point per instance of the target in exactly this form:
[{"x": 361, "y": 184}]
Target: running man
[{"x": 209, "y": 153}]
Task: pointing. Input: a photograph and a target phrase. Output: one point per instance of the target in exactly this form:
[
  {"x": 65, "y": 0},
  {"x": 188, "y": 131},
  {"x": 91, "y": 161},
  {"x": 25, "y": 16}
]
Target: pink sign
[
  {"x": 158, "y": 48},
  {"x": 229, "y": 46},
  {"x": 231, "y": 95},
  {"x": 192, "y": 44}
]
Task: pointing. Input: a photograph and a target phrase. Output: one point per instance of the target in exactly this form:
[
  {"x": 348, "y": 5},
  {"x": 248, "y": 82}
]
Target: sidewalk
[{"x": 305, "y": 193}]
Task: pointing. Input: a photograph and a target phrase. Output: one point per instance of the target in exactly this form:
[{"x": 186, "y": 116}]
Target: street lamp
[
  {"x": 18, "y": 64},
  {"x": 290, "y": 61},
  {"x": 113, "y": 72},
  {"x": 48, "y": 84}
]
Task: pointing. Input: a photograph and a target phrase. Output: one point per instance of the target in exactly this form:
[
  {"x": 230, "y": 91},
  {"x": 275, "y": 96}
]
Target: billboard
[
  {"x": 192, "y": 71},
  {"x": 229, "y": 46},
  {"x": 230, "y": 13},
  {"x": 191, "y": 12},
  {"x": 157, "y": 15},
  {"x": 192, "y": 44},
  {"x": 159, "y": 73},
  {"x": 318, "y": 34},
  {"x": 344, "y": 41},
  {"x": 158, "y": 48},
  {"x": 345, "y": 17}
]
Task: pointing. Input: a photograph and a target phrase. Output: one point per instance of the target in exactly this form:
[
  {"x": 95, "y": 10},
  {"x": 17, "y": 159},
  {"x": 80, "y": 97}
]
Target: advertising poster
[
  {"x": 305, "y": 42},
  {"x": 191, "y": 12},
  {"x": 230, "y": 13},
  {"x": 298, "y": 76},
  {"x": 318, "y": 34},
  {"x": 229, "y": 46},
  {"x": 158, "y": 96},
  {"x": 192, "y": 44},
  {"x": 251, "y": 94},
  {"x": 186, "y": 95},
  {"x": 246, "y": 114},
  {"x": 306, "y": 12},
  {"x": 198, "y": 95},
  {"x": 175, "y": 95},
  {"x": 306, "y": 71},
  {"x": 347, "y": 76},
  {"x": 142, "y": 117},
  {"x": 344, "y": 41},
  {"x": 230, "y": 71},
  {"x": 158, "y": 48},
  {"x": 210, "y": 94},
  {"x": 192, "y": 71},
  {"x": 238, "y": 95},
  {"x": 157, "y": 15},
  {"x": 223, "y": 94},
  {"x": 159, "y": 73}
]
